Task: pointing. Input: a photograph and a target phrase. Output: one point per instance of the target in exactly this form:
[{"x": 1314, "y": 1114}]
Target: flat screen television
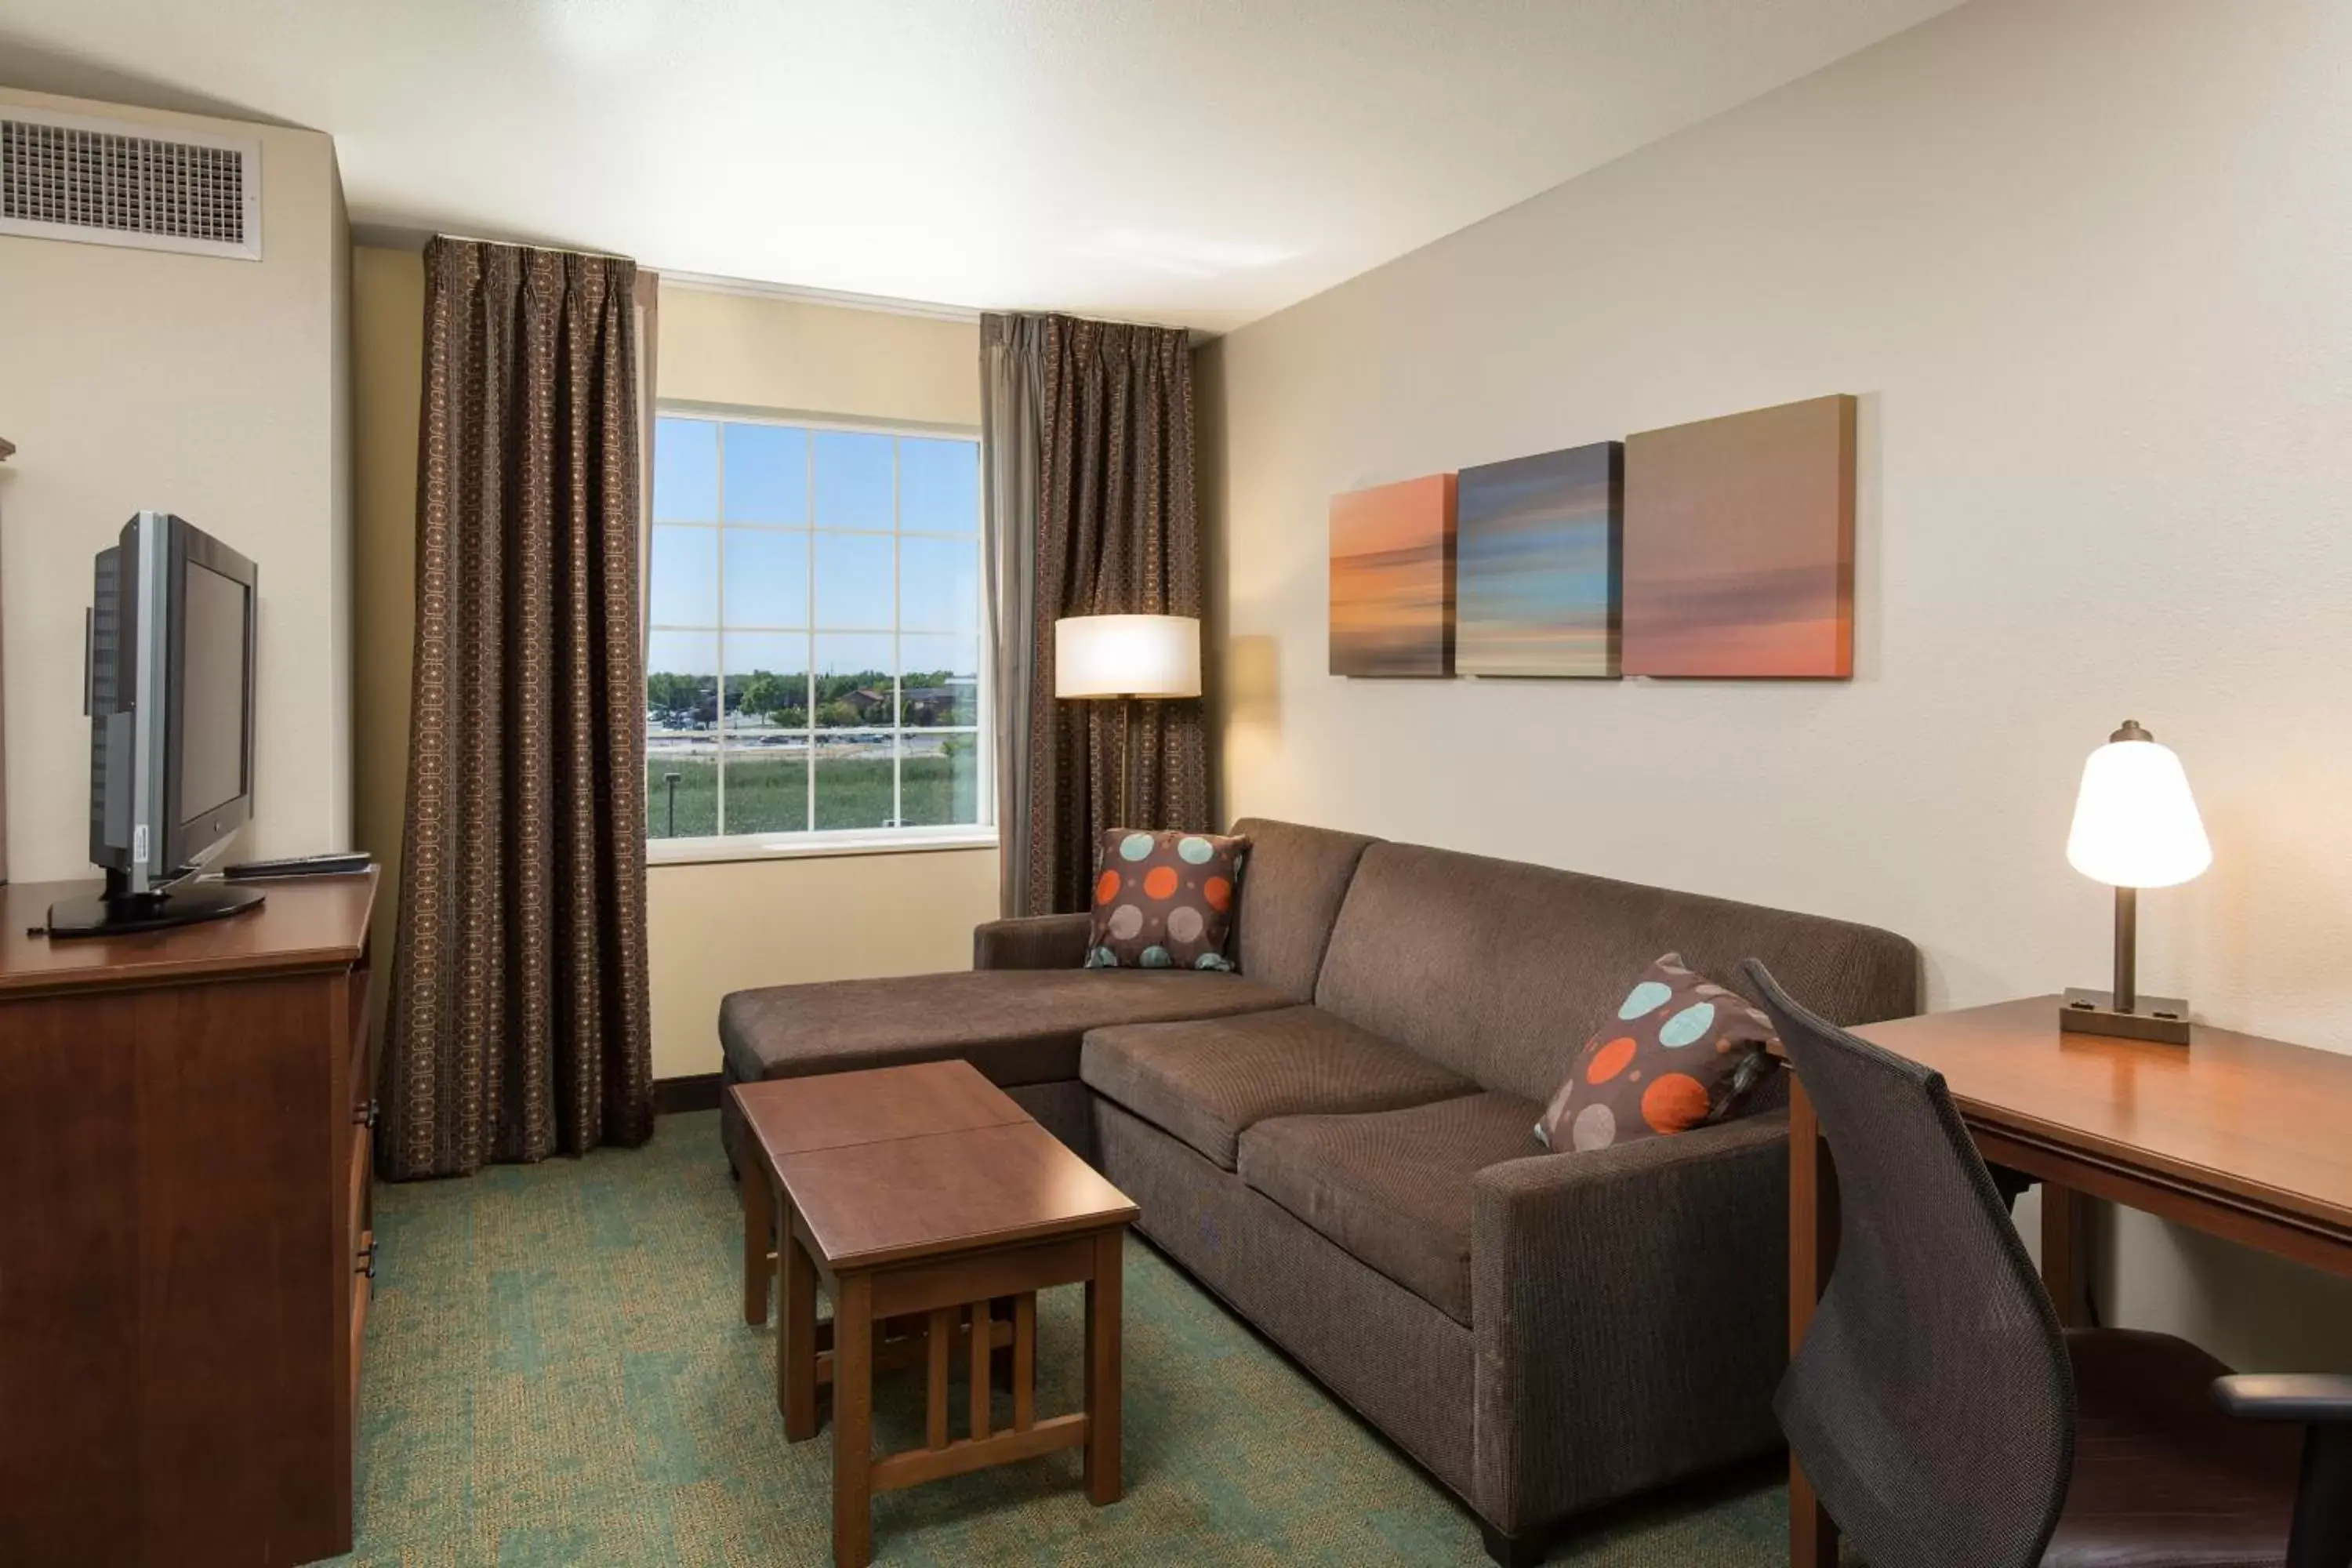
[{"x": 168, "y": 687}]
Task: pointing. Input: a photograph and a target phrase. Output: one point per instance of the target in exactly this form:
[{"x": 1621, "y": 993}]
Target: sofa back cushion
[
  {"x": 1291, "y": 891},
  {"x": 1500, "y": 971}
]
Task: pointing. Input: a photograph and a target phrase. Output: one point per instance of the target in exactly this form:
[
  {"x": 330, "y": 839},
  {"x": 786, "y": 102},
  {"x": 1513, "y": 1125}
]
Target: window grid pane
[
  {"x": 808, "y": 740},
  {"x": 719, "y": 725},
  {"x": 933, "y": 772},
  {"x": 898, "y": 662}
]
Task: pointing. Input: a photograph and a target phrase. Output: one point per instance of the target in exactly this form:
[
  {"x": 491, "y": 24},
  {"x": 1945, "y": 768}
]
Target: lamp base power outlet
[{"x": 2163, "y": 1019}]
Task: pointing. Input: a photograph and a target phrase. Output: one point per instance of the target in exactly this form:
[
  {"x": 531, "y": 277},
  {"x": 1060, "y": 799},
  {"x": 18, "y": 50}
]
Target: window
[{"x": 813, "y": 643}]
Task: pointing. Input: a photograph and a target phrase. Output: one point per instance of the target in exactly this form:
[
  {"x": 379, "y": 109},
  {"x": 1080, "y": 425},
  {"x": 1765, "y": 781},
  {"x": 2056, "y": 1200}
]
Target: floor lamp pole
[{"x": 1129, "y": 767}]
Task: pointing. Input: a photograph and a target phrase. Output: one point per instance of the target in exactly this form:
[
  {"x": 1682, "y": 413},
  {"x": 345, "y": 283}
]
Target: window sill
[{"x": 660, "y": 852}]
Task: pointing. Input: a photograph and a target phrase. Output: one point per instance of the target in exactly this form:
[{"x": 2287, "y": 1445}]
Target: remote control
[{"x": 339, "y": 864}]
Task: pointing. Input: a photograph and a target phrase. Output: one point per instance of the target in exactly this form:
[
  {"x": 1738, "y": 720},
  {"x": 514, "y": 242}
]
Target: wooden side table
[{"x": 918, "y": 1198}]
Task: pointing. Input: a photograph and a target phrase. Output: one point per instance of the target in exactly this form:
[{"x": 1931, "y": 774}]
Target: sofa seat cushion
[
  {"x": 1393, "y": 1188},
  {"x": 1209, "y": 1081},
  {"x": 1016, "y": 1026}
]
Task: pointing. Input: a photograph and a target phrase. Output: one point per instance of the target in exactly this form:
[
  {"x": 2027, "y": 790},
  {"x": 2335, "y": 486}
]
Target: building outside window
[{"x": 814, "y": 657}]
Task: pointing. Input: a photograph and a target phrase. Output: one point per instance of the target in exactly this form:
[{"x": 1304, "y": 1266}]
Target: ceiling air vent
[{"x": 105, "y": 181}]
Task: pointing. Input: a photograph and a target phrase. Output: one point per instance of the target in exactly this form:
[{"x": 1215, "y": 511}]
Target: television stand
[
  {"x": 187, "y": 1242},
  {"x": 119, "y": 912}
]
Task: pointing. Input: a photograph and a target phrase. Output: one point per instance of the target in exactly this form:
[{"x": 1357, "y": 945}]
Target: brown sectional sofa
[{"x": 1338, "y": 1141}]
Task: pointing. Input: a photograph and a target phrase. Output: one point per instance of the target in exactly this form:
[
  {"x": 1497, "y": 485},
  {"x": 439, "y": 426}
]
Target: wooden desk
[
  {"x": 184, "y": 1234},
  {"x": 2232, "y": 1134}
]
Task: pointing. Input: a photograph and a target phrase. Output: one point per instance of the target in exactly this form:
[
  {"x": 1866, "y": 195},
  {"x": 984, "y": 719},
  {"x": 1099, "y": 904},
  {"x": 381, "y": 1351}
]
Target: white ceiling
[{"x": 1197, "y": 162}]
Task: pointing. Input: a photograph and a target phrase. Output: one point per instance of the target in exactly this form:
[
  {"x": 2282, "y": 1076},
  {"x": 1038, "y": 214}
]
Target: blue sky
[{"x": 773, "y": 476}]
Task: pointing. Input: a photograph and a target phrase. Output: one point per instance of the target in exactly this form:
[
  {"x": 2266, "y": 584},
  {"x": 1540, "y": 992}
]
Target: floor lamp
[{"x": 1131, "y": 658}]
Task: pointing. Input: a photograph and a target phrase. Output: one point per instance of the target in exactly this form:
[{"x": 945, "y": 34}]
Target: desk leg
[
  {"x": 2062, "y": 1254},
  {"x": 796, "y": 1339},
  {"x": 759, "y": 1235},
  {"x": 853, "y": 1422},
  {"x": 1812, "y": 1253}
]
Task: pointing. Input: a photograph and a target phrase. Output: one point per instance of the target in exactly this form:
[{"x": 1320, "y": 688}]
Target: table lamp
[
  {"x": 2135, "y": 826},
  {"x": 1126, "y": 658}
]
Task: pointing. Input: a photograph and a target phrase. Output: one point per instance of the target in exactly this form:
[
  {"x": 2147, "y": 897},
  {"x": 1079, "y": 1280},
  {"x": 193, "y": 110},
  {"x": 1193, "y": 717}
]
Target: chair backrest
[{"x": 1932, "y": 1401}]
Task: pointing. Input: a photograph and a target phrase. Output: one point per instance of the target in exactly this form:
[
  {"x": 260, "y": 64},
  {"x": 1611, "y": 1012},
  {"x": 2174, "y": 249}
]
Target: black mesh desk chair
[{"x": 1946, "y": 1421}]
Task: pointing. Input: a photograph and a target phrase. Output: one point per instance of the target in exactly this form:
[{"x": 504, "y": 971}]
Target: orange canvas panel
[{"x": 1392, "y": 579}]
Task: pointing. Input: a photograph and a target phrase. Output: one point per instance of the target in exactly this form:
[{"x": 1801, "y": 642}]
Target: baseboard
[{"x": 697, "y": 1091}]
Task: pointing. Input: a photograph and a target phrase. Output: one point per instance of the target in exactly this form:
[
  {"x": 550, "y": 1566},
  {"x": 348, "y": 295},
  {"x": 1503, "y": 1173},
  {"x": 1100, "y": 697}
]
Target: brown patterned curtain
[
  {"x": 1112, "y": 528},
  {"x": 519, "y": 1025}
]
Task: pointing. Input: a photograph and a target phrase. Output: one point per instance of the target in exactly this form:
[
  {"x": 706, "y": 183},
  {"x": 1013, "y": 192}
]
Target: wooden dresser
[{"x": 184, "y": 1232}]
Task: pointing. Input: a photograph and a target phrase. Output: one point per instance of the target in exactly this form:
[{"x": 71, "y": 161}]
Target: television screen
[
  {"x": 212, "y": 693},
  {"x": 169, "y": 690}
]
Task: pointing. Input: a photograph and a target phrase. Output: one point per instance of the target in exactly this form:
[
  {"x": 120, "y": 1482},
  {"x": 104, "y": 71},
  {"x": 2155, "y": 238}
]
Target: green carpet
[{"x": 558, "y": 1372}]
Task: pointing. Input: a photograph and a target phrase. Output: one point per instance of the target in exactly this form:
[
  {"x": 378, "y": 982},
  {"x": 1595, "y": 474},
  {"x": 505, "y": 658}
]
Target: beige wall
[
  {"x": 387, "y": 375},
  {"x": 723, "y": 925},
  {"x": 2083, "y": 266},
  {"x": 714, "y": 927},
  {"x": 771, "y": 351},
  {"x": 211, "y": 387}
]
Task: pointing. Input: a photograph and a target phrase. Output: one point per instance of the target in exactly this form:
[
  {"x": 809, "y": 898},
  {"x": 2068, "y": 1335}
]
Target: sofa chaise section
[
  {"x": 1020, "y": 1014},
  {"x": 1021, "y": 1028}
]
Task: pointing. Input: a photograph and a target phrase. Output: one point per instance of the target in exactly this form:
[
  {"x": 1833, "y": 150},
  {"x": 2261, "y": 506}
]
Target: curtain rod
[{"x": 529, "y": 244}]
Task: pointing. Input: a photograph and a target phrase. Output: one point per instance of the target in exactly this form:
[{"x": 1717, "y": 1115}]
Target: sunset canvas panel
[
  {"x": 1538, "y": 544},
  {"x": 1392, "y": 579},
  {"x": 1740, "y": 545}
]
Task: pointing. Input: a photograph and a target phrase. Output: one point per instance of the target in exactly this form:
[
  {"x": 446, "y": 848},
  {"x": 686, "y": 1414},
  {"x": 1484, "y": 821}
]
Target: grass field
[{"x": 770, "y": 795}]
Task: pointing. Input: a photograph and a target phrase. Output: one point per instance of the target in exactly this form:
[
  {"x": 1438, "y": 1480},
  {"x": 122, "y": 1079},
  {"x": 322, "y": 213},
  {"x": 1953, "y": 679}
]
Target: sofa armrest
[
  {"x": 1031, "y": 942},
  {"x": 1629, "y": 1315}
]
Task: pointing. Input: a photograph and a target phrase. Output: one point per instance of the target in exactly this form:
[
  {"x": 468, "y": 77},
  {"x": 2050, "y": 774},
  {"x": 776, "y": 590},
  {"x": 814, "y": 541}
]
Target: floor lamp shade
[{"x": 1127, "y": 656}]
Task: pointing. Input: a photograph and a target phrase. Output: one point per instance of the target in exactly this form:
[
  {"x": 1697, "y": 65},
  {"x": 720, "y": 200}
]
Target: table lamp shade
[
  {"x": 2135, "y": 824},
  {"x": 1127, "y": 656}
]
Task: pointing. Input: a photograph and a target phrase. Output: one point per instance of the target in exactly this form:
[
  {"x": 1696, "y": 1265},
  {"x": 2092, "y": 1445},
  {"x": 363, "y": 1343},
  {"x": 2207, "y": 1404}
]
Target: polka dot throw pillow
[
  {"x": 1680, "y": 1052},
  {"x": 1164, "y": 900}
]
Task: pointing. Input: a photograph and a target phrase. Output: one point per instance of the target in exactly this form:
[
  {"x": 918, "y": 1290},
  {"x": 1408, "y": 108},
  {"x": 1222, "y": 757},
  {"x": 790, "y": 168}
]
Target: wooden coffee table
[{"x": 916, "y": 1196}]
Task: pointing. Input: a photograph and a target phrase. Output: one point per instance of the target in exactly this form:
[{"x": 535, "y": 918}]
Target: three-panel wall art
[{"x": 1722, "y": 549}]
